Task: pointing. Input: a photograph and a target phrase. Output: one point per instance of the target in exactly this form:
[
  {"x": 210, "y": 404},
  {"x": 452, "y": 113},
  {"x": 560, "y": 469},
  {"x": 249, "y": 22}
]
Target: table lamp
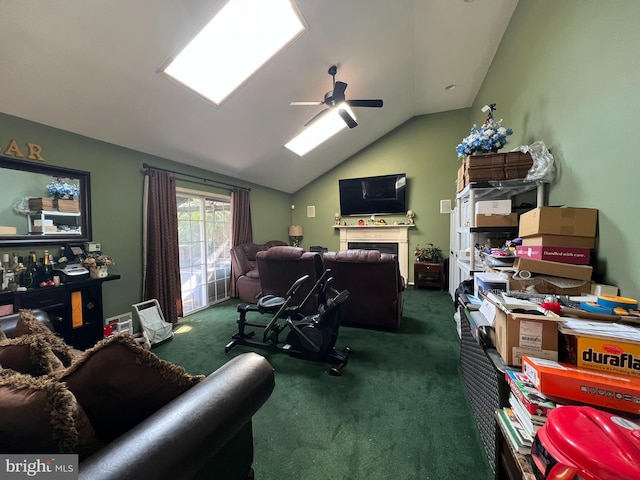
[{"x": 295, "y": 235}]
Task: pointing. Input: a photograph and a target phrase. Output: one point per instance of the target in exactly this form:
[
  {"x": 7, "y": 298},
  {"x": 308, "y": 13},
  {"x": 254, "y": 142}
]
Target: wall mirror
[{"x": 43, "y": 204}]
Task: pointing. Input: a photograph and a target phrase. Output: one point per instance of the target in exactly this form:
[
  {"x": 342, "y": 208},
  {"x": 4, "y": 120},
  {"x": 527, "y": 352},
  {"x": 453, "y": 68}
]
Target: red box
[
  {"x": 560, "y": 380},
  {"x": 575, "y": 256}
]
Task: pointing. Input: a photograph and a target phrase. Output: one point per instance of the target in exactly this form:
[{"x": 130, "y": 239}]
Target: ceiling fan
[{"x": 335, "y": 97}]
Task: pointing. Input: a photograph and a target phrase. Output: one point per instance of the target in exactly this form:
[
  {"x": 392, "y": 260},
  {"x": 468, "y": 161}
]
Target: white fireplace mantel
[{"x": 379, "y": 233}]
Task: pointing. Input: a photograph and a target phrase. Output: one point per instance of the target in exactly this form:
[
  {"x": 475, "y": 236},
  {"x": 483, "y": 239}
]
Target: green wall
[
  {"x": 567, "y": 73},
  {"x": 116, "y": 198},
  {"x": 424, "y": 149}
]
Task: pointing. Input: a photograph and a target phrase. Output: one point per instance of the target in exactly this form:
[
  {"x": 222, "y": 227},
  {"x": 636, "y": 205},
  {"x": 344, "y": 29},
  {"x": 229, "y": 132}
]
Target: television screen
[{"x": 385, "y": 194}]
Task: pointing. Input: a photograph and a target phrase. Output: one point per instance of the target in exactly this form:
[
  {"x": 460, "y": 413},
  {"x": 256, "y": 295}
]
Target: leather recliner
[
  {"x": 245, "y": 270},
  {"x": 375, "y": 285},
  {"x": 281, "y": 266}
]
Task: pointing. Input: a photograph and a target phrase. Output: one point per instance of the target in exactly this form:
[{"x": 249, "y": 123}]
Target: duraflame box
[
  {"x": 561, "y": 380},
  {"x": 555, "y": 269},
  {"x": 510, "y": 220},
  {"x": 605, "y": 354},
  {"x": 520, "y": 334},
  {"x": 576, "y": 256},
  {"x": 559, "y": 241},
  {"x": 574, "y": 222}
]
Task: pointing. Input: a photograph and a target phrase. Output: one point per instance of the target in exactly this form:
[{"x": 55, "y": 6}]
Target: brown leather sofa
[
  {"x": 281, "y": 266},
  {"x": 245, "y": 270},
  {"x": 204, "y": 433},
  {"x": 375, "y": 285}
]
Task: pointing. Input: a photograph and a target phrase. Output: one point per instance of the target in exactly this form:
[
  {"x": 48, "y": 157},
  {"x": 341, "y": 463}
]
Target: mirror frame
[{"x": 84, "y": 200}]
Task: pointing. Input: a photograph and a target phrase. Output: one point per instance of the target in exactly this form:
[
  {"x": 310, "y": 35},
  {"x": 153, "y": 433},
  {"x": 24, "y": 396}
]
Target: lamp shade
[{"x": 295, "y": 231}]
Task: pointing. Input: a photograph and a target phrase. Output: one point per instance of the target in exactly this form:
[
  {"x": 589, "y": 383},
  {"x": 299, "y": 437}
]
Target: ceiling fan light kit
[{"x": 336, "y": 98}]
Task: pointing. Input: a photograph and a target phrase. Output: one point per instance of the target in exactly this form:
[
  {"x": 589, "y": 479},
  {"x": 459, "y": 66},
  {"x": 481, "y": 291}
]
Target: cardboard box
[
  {"x": 46, "y": 229},
  {"x": 520, "y": 334},
  {"x": 460, "y": 180},
  {"x": 510, "y": 220},
  {"x": 493, "y": 207},
  {"x": 547, "y": 287},
  {"x": 555, "y": 269},
  {"x": 487, "y": 160},
  {"x": 576, "y": 256},
  {"x": 41, "y": 203},
  {"x": 575, "y": 222},
  {"x": 561, "y": 380},
  {"x": 484, "y": 282},
  {"x": 606, "y": 354},
  {"x": 559, "y": 241},
  {"x": 8, "y": 230}
]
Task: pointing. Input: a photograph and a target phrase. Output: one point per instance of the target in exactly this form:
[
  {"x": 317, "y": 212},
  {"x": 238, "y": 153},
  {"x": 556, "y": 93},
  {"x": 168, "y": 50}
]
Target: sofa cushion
[
  {"x": 119, "y": 384},
  {"x": 29, "y": 354},
  {"x": 28, "y": 324},
  {"x": 40, "y": 415}
]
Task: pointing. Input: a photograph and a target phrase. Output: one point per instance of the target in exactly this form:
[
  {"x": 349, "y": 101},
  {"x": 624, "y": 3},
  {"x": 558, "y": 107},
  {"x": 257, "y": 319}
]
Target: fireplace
[
  {"x": 385, "y": 238},
  {"x": 383, "y": 247}
]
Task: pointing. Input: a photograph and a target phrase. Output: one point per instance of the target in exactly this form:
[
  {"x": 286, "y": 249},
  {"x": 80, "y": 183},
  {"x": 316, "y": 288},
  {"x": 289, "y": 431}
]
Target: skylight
[
  {"x": 319, "y": 131},
  {"x": 241, "y": 38}
]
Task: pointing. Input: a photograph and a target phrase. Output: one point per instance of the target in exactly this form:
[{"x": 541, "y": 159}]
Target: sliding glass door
[{"x": 204, "y": 236}]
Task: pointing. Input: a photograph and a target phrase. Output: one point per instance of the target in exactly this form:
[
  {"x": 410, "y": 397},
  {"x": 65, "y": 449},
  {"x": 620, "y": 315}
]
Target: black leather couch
[{"x": 203, "y": 434}]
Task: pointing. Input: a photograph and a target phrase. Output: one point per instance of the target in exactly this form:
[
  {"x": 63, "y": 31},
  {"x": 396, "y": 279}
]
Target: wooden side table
[{"x": 426, "y": 274}]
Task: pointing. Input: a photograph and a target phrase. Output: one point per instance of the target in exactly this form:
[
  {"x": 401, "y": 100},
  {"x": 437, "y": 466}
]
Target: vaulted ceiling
[{"x": 91, "y": 67}]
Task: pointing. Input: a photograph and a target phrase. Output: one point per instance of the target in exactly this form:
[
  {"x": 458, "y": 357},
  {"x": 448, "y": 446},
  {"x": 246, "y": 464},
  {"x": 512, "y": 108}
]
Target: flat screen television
[{"x": 384, "y": 194}]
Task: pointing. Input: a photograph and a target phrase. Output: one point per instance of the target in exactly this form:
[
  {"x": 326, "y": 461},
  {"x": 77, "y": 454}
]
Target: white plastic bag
[{"x": 543, "y": 169}]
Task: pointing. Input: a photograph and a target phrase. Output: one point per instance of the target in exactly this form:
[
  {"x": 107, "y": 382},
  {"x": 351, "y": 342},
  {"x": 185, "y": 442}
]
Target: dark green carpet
[{"x": 398, "y": 412}]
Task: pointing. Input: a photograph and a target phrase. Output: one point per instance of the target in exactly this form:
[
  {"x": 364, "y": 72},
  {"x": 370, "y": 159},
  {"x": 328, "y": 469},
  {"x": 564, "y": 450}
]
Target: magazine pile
[{"x": 527, "y": 411}]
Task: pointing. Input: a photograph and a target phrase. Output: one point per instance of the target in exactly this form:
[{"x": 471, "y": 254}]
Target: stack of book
[
  {"x": 515, "y": 433},
  {"x": 529, "y": 405},
  {"x": 528, "y": 411}
]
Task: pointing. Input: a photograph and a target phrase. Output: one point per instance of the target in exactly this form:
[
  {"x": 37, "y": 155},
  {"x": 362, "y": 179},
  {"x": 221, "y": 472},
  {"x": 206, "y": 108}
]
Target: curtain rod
[{"x": 151, "y": 167}]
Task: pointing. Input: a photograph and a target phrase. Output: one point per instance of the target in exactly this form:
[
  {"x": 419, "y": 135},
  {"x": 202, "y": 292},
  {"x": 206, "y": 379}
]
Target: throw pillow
[
  {"x": 29, "y": 354},
  {"x": 39, "y": 415},
  {"x": 119, "y": 384},
  {"x": 29, "y": 324}
]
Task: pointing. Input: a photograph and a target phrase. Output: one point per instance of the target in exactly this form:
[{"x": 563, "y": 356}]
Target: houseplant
[{"x": 430, "y": 253}]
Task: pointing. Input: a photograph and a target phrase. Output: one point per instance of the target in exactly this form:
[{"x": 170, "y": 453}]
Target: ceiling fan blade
[
  {"x": 348, "y": 119},
  {"x": 316, "y": 116},
  {"x": 305, "y": 103},
  {"x": 365, "y": 103},
  {"x": 338, "y": 91}
]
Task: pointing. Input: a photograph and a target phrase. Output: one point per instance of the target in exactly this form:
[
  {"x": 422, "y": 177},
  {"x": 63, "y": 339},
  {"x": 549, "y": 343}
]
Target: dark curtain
[
  {"x": 162, "y": 258},
  {"x": 241, "y": 230}
]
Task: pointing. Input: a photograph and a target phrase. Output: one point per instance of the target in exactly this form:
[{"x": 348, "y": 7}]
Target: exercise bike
[{"x": 311, "y": 337}]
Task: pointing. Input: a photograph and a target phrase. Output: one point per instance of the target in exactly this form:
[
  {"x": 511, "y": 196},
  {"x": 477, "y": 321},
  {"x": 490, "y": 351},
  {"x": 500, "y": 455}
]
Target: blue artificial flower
[
  {"x": 61, "y": 188},
  {"x": 490, "y": 137}
]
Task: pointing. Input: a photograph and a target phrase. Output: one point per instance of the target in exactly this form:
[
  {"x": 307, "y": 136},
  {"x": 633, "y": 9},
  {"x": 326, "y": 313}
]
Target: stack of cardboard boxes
[
  {"x": 557, "y": 242},
  {"x": 493, "y": 167}
]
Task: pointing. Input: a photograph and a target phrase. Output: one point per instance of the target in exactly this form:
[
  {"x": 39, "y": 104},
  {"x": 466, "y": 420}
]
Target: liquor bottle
[
  {"x": 47, "y": 268},
  {"x": 29, "y": 275}
]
